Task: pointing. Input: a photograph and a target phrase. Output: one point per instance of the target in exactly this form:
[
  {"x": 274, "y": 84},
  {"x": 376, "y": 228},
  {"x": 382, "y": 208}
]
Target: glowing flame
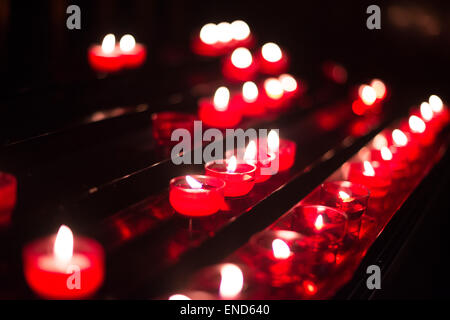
[
  {"x": 194, "y": 184},
  {"x": 221, "y": 99},
  {"x": 271, "y": 52},
  {"x": 63, "y": 246},
  {"x": 379, "y": 141},
  {"x": 241, "y": 58},
  {"x": 127, "y": 43},
  {"x": 379, "y": 87},
  {"x": 273, "y": 141},
  {"x": 231, "y": 164},
  {"x": 209, "y": 33},
  {"x": 273, "y": 88},
  {"x": 386, "y": 154},
  {"x": 436, "y": 103},
  {"x": 232, "y": 281},
  {"x": 240, "y": 30},
  {"x": 224, "y": 32},
  {"x": 179, "y": 297},
  {"x": 344, "y": 196},
  {"x": 280, "y": 249},
  {"x": 368, "y": 94},
  {"x": 109, "y": 43},
  {"x": 249, "y": 92},
  {"x": 416, "y": 124},
  {"x": 368, "y": 169},
  {"x": 425, "y": 111},
  {"x": 399, "y": 137},
  {"x": 288, "y": 82},
  {"x": 318, "y": 224},
  {"x": 250, "y": 151}
]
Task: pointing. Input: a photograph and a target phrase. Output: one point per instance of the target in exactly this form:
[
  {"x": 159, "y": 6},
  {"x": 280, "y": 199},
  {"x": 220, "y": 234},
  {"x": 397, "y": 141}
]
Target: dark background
[{"x": 47, "y": 83}]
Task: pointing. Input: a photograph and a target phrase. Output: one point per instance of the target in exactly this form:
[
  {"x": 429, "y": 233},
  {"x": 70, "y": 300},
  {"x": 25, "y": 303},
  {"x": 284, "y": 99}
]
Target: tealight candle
[
  {"x": 219, "y": 112},
  {"x": 289, "y": 84},
  {"x": 249, "y": 100},
  {"x": 8, "y": 197},
  {"x": 351, "y": 198},
  {"x": 398, "y": 166},
  {"x": 261, "y": 159},
  {"x": 272, "y": 59},
  {"x": 440, "y": 112},
  {"x": 164, "y": 123},
  {"x": 375, "y": 177},
  {"x": 107, "y": 57},
  {"x": 284, "y": 150},
  {"x": 133, "y": 54},
  {"x": 64, "y": 267},
  {"x": 240, "y": 65},
  {"x": 238, "y": 176},
  {"x": 196, "y": 195},
  {"x": 273, "y": 94},
  {"x": 403, "y": 147}
]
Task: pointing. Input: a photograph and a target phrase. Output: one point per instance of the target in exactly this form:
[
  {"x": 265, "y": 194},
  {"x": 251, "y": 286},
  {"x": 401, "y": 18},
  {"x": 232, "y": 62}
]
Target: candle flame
[
  {"x": 368, "y": 169},
  {"x": 426, "y": 111},
  {"x": 250, "y": 151},
  {"x": 63, "y": 246},
  {"x": 416, "y": 124},
  {"x": 240, "y": 30},
  {"x": 231, "y": 164},
  {"x": 109, "y": 43},
  {"x": 127, "y": 43},
  {"x": 436, "y": 103},
  {"x": 274, "y": 88},
  {"x": 273, "y": 142},
  {"x": 241, "y": 58},
  {"x": 399, "y": 137},
  {"x": 193, "y": 183},
  {"x": 288, "y": 82},
  {"x": 386, "y": 154},
  {"x": 280, "y": 249},
  {"x": 209, "y": 33},
  {"x": 224, "y": 32},
  {"x": 179, "y": 297},
  {"x": 367, "y": 94},
  {"x": 379, "y": 87},
  {"x": 318, "y": 224},
  {"x": 379, "y": 141},
  {"x": 221, "y": 99},
  {"x": 271, "y": 52},
  {"x": 250, "y": 92},
  {"x": 344, "y": 196},
  {"x": 232, "y": 281}
]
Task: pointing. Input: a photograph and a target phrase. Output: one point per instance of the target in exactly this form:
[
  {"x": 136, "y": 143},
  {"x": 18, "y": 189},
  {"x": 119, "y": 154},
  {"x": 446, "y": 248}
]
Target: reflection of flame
[
  {"x": 379, "y": 87},
  {"x": 399, "y": 137},
  {"x": 273, "y": 88},
  {"x": 273, "y": 141},
  {"x": 109, "y": 43},
  {"x": 249, "y": 92},
  {"x": 436, "y": 103},
  {"x": 231, "y": 164},
  {"x": 221, "y": 98},
  {"x": 344, "y": 196},
  {"x": 179, "y": 297},
  {"x": 194, "y": 184},
  {"x": 367, "y": 94},
  {"x": 425, "y": 111},
  {"x": 209, "y": 33},
  {"x": 271, "y": 52},
  {"x": 310, "y": 287},
  {"x": 288, "y": 82},
  {"x": 386, "y": 154},
  {"x": 318, "y": 224},
  {"x": 127, "y": 43},
  {"x": 416, "y": 124},
  {"x": 240, "y": 30},
  {"x": 368, "y": 169},
  {"x": 232, "y": 281},
  {"x": 280, "y": 249},
  {"x": 379, "y": 141},
  {"x": 241, "y": 58},
  {"x": 250, "y": 151},
  {"x": 63, "y": 246}
]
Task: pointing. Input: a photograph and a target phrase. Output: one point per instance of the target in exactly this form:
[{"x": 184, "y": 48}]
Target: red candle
[
  {"x": 196, "y": 196},
  {"x": 238, "y": 176},
  {"x": 375, "y": 177},
  {"x": 261, "y": 159},
  {"x": 8, "y": 197},
  {"x": 284, "y": 150},
  {"x": 249, "y": 101},
  {"x": 240, "y": 65},
  {"x": 219, "y": 112},
  {"x": 133, "y": 54},
  {"x": 398, "y": 166},
  {"x": 440, "y": 112},
  {"x": 290, "y": 86},
  {"x": 351, "y": 198},
  {"x": 273, "y": 94},
  {"x": 272, "y": 60},
  {"x": 64, "y": 267},
  {"x": 403, "y": 147},
  {"x": 164, "y": 123},
  {"x": 418, "y": 131},
  {"x": 107, "y": 57}
]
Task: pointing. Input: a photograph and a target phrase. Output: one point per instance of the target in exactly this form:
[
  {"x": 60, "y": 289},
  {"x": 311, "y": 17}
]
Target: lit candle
[
  {"x": 440, "y": 112},
  {"x": 196, "y": 195},
  {"x": 106, "y": 57},
  {"x": 290, "y": 85},
  {"x": 403, "y": 147},
  {"x": 375, "y": 177},
  {"x": 133, "y": 54},
  {"x": 272, "y": 59},
  {"x": 239, "y": 177},
  {"x": 240, "y": 65},
  {"x": 164, "y": 123},
  {"x": 418, "y": 131},
  {"x": 219, "y": 112},
  {"x": 398, "y": 166},
  {"x": 284, "y": 150},
  {"x": 262, "y": 160},
  {"x": 8, "y": 197},
  {"x": 273, "y": 94},
  {"x": 64, "y": 267},
  {"x": 249, "y": 100}
]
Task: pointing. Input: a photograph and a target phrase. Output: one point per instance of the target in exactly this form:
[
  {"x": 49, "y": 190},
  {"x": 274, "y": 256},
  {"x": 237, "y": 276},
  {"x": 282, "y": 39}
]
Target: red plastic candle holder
[
  {"x": 211, "y": 116},
  {"x": 399, "y": 167},
  {"x": 273, "y": 95},
  {"x": 8, "y": 197},
  {"x": 105, "y": 62},
  {"x": 164, "y": 123},
  {"x": 51, "y": 280},
  {"x": 249, "y": 108},
  {"x": 134, "y": 58},
  {"x": 286, "y": 154},
  {"x": 373, "y": 175},
  {"x": 348, "y": 197},
  {"x": 238, "y": 182},
  {"x": 273, "y": 61},
  {"x": 239, "y": 66},
  {"x": 197, "y": 201}
]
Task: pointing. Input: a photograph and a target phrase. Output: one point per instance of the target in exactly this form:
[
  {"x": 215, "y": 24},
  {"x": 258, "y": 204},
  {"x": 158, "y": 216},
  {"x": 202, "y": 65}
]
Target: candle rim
[{"x": 224, "y": 162}]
